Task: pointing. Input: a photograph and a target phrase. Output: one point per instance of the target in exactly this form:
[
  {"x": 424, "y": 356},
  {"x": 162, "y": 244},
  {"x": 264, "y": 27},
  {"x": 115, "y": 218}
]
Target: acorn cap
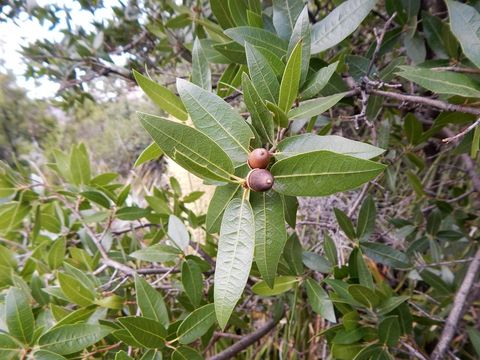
[
  {"x": 259, "y": 158},
  {"x": 260, "y": 180}
]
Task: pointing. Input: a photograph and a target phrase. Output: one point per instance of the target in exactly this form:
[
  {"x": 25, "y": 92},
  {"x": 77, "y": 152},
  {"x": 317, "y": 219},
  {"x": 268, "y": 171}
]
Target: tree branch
[
  {"x": 457, "y": 309},
  {"x": 246, "y": 341}
]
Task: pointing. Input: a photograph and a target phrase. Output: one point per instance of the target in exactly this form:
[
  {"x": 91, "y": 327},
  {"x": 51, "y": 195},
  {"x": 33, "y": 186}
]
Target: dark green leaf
[
  {"x": 161, "y": 96},
  {"x": 262, "y": 119},
  {"x": 304, "y": 143},
  {"x": 71, "y": 338},
  {"x": 291, "y": 78},
  {"x": 366, "y": 219},
  {"x": 75, "y": 291},
  {"x": 258, "y": 37},
  {"x": 318, "y": 81},
  {"x": 192, "y": 282},
  {"x": 345, "y": 223},
  {"x": 386, "y": 255},
  {"x": 364, "y": 295},
  {"x": 262, "y": 74},
  {"x": 319, "y": 300},
  {"x": 314, "y": 107},
  {"x": 282, "y": 284},
  {"x": 270, "y": 233},
  {"x": 185, "y": 352},
  {"x": 389, "y": 331},
  {"x": 316, "y": 262},
  {"x": 150, "y": 302},
  {"x": 147, "y": 332},
  {"x": 18, "y": 315},
  {"x": 201, "y": 74},
  {"x": 170, "y": 136},
  {"x": 196, "y": 324},
  {"x": 285, "y": 13},
  {"x": 217, "y": 119},
  {"x": 234, "y": 257},
  {"x": 340, "y": 23},
  {"x": 465, "y": 25},
  {"x": 302, "y": 32}
]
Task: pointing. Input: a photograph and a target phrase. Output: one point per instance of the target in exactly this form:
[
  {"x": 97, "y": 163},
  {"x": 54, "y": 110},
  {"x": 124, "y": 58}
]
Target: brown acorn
[
  {"x": 259, "y": 158},
  {"x": 260, "y": 180}
]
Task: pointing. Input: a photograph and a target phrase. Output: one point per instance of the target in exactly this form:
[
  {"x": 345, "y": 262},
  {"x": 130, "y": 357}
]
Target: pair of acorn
[{"x": 259, "y": 178}]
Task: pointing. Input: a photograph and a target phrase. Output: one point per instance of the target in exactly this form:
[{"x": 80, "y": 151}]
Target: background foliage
[{"x": 90, "y": 269}]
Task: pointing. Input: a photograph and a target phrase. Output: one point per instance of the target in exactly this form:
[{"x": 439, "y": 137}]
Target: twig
[
  {"x": 246, "y": 341},
  {"x": 358, "y": 200},
  {"x": 426, "y": 101},
  {"x": 379, "y": 43},
  {"x": 457, "y": 309},
  {"x": 412, "y": 351},
  {"x": 457, "y": 69},
  {"x": 462, "y": 133}
]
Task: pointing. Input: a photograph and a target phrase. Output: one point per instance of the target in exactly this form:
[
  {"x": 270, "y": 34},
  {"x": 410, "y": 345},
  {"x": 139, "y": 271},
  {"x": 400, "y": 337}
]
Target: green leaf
[
  {"x": 222, "y": 13},
  {"x": 319, "y": 300},
  {"x": 218, "y": 203},
  {"x": 386, "y": 255},
  {"x": 302, "y": 32},
  {"x": 285, "y": 14},
  {"x": 441, "y": 82},
  {"x": 238, "y": 9},
  {"x": 178, "y": 233},
  {"x": 150, "y": 301},
  {"x": 314, "y": 107},
  {"x": 122, "y": 355},
  {"x": 316, "y": 262},
  {"x": 391, "y": 304},
  {"x": 330, "y": 249},
  {"x": 152, "y": 355},
  {"x": 161, "y": 96},
  {"x": 258, "y": 37},
  {"x": 366, "y": 218},
  {"x": 9, "y": 347},
  {"x": 75, "y": 291},
  {"x": 172, "y": 137},
  {"x": 318, "y": 81},
  {"x": 321, "y": 173},
  {"x": 270, "y": 233},
  {"x": 293, "y": 254},
  {"x": 157, "y": 253},
  {"x": 438, "y": 35},
  {"x": 76, "y": 316},
  {"x": 80, "y": 165},
  {"x": 185, "y": 352},
  {"x": 96, "y": 197},
  {"x": 282, "y": 284},
  {"x": 234, "y": 257},
  {"x": 262, "y": 119},
  {"x": 345, "y": 223},
  {"x": 290, "y": 207},
  {"x": 216, "y": 119},
  {"x": 291, "y": 78},
  {"x": 196, "y": 324},
  {"x": 232, "y": 51},
  {"x": 192, "y": 282},
  {"x": 294, "y": 145},
  {"x": 56, "y": 255},
  {"x": 364, "y": 295},
  {"x": 201, "y": 74},
  {"x": 151, "y": 152},
  {"x": 474, "y": 336},
  {"x": 71, "y": 338},
  {"x": 465, "y": 25},
  {"x": 364, "y": 275},
  {"x": 339, "y": 24},
  {"x": 229, "y": 80},
  {"x": 413, "y": 129},
  {"x": 389, "y": 331},
  {"x": 147, "y": 332},
  {"x": 131, "y": 213},
  {"x": 436, "y": 282},
  {"x": 11, "y": 214},
  {"x": 279, "y": 116},
  {"x": 18, "y": 315},
  {"x": 262, "y": 74}
]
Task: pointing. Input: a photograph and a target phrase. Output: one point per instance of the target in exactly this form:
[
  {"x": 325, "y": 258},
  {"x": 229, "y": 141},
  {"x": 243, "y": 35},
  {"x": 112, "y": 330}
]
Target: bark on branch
[{"x": 246, "y": 341}]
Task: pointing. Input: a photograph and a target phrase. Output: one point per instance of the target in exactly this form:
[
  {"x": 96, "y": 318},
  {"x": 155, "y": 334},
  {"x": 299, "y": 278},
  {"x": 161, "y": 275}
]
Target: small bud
[
  {"x": 260, "y": 180},
  {"x": 259, "y": 158}
]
